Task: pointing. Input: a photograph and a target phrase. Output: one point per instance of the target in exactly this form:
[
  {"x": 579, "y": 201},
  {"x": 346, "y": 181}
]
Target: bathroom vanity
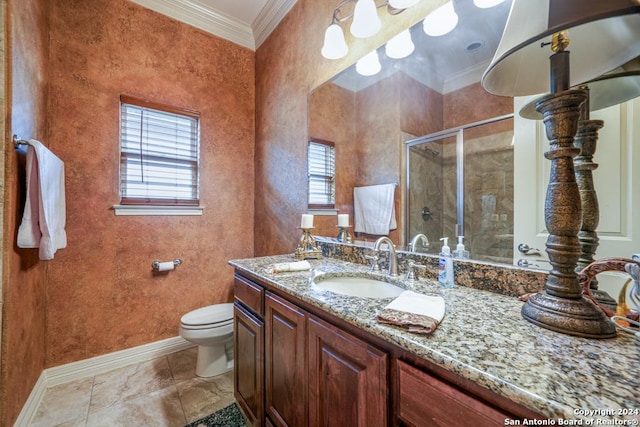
[{"x": 306, "y": 356}]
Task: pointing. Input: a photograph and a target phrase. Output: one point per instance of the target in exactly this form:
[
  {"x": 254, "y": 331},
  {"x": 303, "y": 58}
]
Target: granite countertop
[{"x": 484, "y": 338}]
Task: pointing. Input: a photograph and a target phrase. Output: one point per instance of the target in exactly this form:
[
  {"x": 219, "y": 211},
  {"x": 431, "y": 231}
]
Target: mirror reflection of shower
[{"x": 463, "y": 178}]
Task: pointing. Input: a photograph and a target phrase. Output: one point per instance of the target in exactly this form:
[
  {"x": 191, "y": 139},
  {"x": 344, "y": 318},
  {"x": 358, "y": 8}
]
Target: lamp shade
[
  {"x": 335, "y": 46},
  {"x": 369, "y": 64},
  {"x": 484, "y": 4},
  {"x": 400, "y": 46},
  {"x": 603, "y": 35},
  {"x": 441, "y": 21},
  {"x": 402, "y": 4},
  {"x": 612, "y": 88},
  {"x": 366, "y": 21}
]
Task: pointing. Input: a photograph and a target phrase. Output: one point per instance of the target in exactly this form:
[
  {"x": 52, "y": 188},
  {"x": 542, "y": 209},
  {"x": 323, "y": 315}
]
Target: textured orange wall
[
  {"x": 331, "y": 118},
  {"x": 102, "y": 294},
  {"x": 24, "y": 298},
  {"x": 288, "y": 67},
  {"x": 472, "y": 104}
]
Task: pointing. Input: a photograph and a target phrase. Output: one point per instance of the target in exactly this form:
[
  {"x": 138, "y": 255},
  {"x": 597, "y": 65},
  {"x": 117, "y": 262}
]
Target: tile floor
[{"x": 160, "y": 392}]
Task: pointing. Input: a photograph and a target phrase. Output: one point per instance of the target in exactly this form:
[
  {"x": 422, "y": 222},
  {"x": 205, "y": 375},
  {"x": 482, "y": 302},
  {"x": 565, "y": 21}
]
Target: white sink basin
[{"x": 364, "y": 287}]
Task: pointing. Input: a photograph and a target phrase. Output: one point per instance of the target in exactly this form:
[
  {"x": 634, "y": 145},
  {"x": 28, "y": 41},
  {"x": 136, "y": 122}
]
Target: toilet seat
[{"x": 212, "y": 316}]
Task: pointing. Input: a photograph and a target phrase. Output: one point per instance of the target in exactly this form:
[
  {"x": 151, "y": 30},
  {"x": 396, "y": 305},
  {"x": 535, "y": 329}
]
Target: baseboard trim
[
  {"x": 33, "y": 401},
  {"x": 93, "y": 366}
]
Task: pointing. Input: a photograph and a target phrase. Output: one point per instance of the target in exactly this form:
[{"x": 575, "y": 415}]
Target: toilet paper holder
[{"x": 156, "y": 264}]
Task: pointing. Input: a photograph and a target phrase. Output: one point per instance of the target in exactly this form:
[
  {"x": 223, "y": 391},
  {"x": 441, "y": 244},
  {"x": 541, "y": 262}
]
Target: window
[
  {"x": 159, "y": 154},
  {"x": 322, "y": 174}
]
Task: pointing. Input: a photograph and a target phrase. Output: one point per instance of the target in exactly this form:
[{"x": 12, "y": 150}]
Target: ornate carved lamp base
[
  {"x": 586, "y": 139},
  {"x": 579, "y": 317},
  {"x": 561, "y": 307}
]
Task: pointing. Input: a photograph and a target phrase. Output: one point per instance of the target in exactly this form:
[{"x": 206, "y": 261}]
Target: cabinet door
[
  {"x": 249, "y": 364},
  {"x": 285, "y": 362},
  {"x": 348, "y": 379}
]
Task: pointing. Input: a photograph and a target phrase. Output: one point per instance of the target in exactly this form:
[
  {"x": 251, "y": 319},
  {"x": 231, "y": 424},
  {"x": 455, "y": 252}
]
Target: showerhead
[
  {"x": 432, "y": 152},
  {"x": 425, "y": 151}
]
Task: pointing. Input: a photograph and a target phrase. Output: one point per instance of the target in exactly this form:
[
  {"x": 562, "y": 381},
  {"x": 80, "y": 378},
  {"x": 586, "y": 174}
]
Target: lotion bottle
[
  {"x": 445, "y": 266},
  {"x": 461, "y": 252}
]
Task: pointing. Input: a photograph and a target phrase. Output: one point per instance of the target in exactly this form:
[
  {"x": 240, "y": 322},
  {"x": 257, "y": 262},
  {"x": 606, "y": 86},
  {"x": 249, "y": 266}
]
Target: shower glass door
[{"x": 460, "y": 182}]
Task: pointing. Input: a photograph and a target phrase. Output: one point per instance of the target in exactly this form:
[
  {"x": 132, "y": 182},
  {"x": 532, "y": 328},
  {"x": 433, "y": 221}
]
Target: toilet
[{"x": 211, "y": 328}]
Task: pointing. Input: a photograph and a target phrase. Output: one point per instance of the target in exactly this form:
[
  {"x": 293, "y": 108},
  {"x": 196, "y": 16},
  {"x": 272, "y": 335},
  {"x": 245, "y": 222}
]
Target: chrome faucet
[
  {"x": 393, "y": 258},
  {"x": 416, "y": 239}
]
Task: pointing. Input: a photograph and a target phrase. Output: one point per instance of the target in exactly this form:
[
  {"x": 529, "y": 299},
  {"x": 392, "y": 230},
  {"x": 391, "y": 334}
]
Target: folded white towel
[
  {"x": 415, "y": 312},
  {"x": 44, "y": 215},
  {"x": 288, "y": 266},
  {"x": 374, "y": 209}
]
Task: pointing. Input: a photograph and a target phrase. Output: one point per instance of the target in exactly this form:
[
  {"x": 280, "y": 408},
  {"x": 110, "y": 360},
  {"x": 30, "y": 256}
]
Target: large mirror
[{"x": 425, "y": 123}]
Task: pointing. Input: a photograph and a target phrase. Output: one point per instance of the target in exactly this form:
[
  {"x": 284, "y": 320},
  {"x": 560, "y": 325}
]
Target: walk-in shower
[{"x": 460, "y": 182}]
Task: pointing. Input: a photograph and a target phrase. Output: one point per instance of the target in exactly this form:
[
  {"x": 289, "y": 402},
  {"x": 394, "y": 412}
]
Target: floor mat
[{"x": 225, "y": 417}]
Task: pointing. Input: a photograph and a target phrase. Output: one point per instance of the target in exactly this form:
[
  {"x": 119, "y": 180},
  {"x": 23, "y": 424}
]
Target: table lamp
[
  {"x": 612, "y": 88},
  {"x": 593, "y": 37}
]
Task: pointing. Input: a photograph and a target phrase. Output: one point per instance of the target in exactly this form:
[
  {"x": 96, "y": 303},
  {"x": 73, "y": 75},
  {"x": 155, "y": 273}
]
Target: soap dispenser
[
  {"x": 461, "y": 252},
  {"x": 445, "y": 266}
]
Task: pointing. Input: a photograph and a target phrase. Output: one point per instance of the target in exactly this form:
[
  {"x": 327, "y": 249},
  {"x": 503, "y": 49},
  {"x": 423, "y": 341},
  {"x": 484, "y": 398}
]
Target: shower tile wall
[{"x": 489, "y": 196}]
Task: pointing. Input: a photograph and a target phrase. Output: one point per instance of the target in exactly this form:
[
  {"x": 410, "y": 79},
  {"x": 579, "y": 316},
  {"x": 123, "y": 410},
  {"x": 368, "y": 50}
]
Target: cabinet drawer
[
  {"x": 426, "y": 400},
  {"x": 250, "y": 294}
]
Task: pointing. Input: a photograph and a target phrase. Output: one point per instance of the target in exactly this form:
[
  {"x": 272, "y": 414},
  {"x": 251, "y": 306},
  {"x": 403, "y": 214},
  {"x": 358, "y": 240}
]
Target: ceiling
[{"x": 244, "y": 22}]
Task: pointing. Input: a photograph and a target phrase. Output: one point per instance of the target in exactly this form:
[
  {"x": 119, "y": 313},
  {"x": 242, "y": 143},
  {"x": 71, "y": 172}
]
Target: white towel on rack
[
  {"x": 44, "y": 215},
  {"x": 374, "y": 209}
]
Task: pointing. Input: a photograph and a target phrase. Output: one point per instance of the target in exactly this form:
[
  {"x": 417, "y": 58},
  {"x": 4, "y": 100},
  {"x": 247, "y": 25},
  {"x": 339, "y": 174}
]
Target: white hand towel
[
  {"x": 288, "y": 266},
  {"x": 415, "y": 312},
  {"x": 44, "y": 215},
  {"x": 374, "y": 209}
]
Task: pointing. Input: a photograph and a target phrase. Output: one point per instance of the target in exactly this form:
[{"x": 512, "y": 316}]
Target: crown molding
[
  {"x": 465, "y": 78},
  {"x": 192, "y": 13},
  {"x": 269, "y": 18}
]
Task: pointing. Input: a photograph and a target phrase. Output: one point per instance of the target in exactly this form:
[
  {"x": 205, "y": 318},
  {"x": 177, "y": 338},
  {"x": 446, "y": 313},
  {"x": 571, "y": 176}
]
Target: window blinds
[
  {"x": 322, "y": 167},
  {"x": 159, "y": 156}
]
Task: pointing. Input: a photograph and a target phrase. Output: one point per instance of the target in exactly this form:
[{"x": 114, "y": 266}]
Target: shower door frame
[{"x": 458, "y": 132}]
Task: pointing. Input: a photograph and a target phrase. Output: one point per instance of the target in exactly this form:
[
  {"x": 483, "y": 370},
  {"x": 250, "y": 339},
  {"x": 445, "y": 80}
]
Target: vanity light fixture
[
  {"x": 402, "y": 4},
  {"x": 441, "y": 21},
  {"x": 369, "y": 64},
  {"x": 400, "y": 46},
  {"x": 485, "y": 4},
  {"x": 335, "y": 46},
  {"x": 365, "y": 23},
  {"x": 595, "y": 37}
]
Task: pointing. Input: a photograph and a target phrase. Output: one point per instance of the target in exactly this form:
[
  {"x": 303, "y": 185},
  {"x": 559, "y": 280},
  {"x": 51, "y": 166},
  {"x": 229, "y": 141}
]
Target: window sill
[
  {"x": 131, "y": 210},
  {"x": 321, "y": 212}
]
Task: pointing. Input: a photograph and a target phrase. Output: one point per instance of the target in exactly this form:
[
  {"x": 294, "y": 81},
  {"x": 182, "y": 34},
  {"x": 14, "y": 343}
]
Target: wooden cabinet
[
  {"x": 348, "y": 379},
  {"x": 285, "y": 362},
  {"x": 424, "y": 400},
  {"x": 249, "y": 364},
  {"x": 297, "y": 367}
]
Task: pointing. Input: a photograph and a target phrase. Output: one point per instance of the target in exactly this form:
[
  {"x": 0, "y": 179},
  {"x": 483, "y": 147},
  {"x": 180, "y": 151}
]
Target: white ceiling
[{"x": 245, "y": 22}]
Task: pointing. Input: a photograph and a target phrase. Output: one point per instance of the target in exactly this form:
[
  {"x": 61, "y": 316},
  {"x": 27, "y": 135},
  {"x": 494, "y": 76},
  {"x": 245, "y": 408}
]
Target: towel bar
[{"x": 19, "y": 144}]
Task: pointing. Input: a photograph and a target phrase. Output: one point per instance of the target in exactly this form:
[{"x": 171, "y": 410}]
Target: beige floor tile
[
  {"x": 160, "y": 408},
  {"x": 183, "y": 364},
  {"x": 118, "y": 386},
  {"x": 202, "y": 396},
  {"x": 64, "y": 405}
]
